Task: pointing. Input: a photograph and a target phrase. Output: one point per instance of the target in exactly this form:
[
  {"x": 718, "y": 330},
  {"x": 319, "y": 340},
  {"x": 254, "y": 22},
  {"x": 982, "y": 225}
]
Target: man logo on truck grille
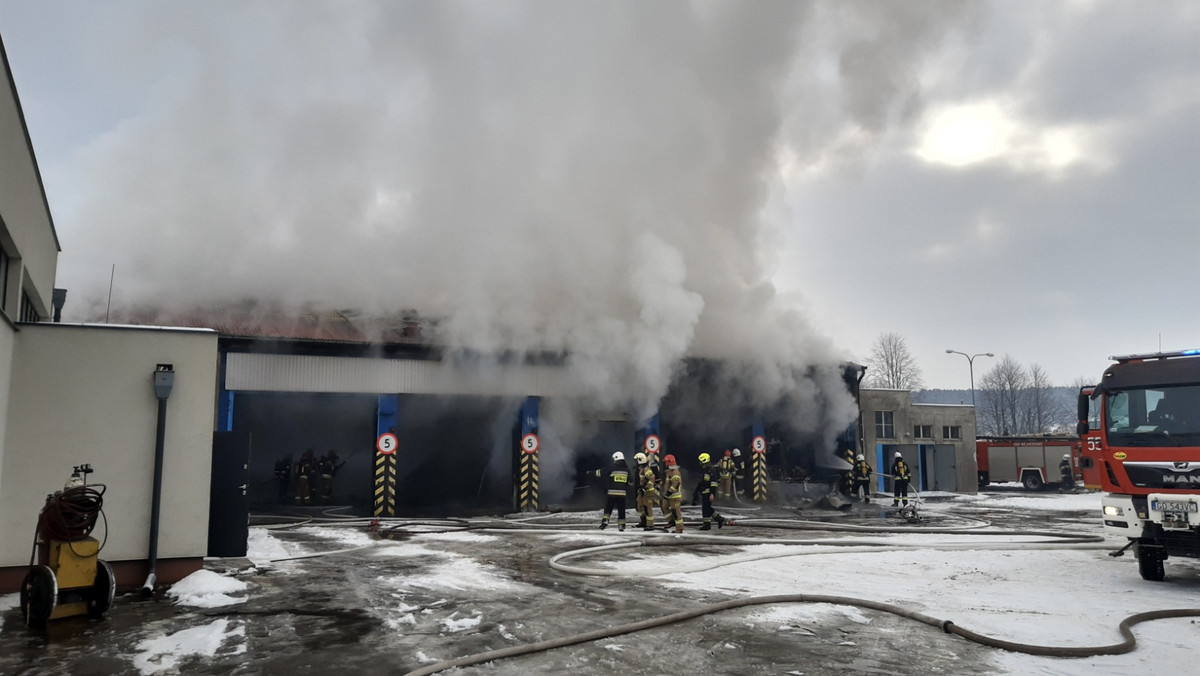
[{"x": 1181, "y": 465}]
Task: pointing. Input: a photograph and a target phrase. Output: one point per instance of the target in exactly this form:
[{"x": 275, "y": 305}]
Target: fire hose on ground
[
  {"x": 1128, "y": 642},
  {"x": 1064, "y": 541}
]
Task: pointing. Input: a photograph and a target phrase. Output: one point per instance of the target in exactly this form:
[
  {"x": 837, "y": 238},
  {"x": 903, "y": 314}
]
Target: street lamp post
[{"x": 971, "y": 366}]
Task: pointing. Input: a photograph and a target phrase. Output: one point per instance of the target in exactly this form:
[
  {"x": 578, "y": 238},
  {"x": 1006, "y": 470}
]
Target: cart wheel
[
  {"x": 39, "y": 596},
  {"x": 103, "y": 589}
]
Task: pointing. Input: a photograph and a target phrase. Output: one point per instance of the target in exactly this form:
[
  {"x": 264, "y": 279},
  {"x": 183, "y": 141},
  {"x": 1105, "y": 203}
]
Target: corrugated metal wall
[{"x": 301, "y": 373}]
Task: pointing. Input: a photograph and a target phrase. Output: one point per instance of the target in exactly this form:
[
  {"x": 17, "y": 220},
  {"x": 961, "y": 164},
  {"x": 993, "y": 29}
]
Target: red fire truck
[
  {"x": 1149, "y": 454},
  {"x": 1089, "y": 455},
  {"x": 1031, "y": 460}
]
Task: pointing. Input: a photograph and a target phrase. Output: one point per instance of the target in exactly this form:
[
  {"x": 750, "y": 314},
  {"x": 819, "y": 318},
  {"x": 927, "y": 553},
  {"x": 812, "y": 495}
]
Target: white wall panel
[{"x": 305, "y": 373}]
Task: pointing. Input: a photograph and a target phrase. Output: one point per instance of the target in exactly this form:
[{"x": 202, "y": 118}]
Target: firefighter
[
  {"x": 673, "y": 494},
  {"x": 305, "y": 469},
  {"x": 618, "y": 487},
  {"x": 283, "y": 476},
  {"x": 706, "y": 493},
  {"x": 848, "y": 477},
  {"x": 900, "y": 478},
  {"x": 329, "y": 468},
  {"x": 739, "y": 474},
  {"x": 647, "y": 492},
  {"x": 862, "y": 478},
  {"x": 1067, "y": 484},
  {"x": 725, "y": 474}
]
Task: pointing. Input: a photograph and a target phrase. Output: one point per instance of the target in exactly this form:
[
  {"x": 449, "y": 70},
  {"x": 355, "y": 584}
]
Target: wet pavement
[{"x": 394, "y": 605}]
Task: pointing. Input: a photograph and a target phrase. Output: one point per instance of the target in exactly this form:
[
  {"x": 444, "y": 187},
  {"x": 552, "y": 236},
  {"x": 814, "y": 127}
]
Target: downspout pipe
[{"x": 164, "y": 381}]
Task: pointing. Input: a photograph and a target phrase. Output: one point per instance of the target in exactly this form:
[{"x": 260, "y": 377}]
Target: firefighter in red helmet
[{"x": 673, "y": 494}]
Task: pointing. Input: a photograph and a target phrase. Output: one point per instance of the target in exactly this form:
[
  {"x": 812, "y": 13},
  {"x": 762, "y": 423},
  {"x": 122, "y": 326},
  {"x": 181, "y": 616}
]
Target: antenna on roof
[{"x": 110, "y": 285}]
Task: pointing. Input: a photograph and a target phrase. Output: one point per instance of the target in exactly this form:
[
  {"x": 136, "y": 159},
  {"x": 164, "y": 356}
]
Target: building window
[
  {"x": 951, "y": 432},
  {"x": 923, "y": 431},
  {"x": 884, "y": 428},
  {"x": 5, "y": 264},
  {"x": 29, "y": 313}
]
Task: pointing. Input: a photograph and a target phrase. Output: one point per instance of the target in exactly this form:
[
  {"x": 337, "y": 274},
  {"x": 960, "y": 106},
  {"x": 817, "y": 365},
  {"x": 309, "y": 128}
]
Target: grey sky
[{"x": 789, "y": 178}]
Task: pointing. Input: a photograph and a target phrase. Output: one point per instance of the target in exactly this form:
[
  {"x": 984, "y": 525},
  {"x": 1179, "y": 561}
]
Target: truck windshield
[{"x": 1164, "y": 416}]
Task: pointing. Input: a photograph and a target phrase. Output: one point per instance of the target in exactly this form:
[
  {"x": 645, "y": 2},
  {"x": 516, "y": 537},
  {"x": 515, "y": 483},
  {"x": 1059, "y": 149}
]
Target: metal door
[
  {"x": 944, "y": 468},
  {"x": 229, "y": 507}
]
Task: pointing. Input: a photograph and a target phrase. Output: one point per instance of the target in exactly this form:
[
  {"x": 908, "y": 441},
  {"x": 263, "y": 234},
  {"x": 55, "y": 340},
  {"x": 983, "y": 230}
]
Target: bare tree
[
  {"x": 1041, "y": 412},
  {"x": 1003, "y": 391},
  {"x": 892, "y": 366}
]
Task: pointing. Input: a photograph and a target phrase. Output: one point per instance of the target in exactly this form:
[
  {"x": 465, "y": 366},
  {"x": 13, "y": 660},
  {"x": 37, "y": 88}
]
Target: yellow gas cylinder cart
[{"x": 68, "y": 578}]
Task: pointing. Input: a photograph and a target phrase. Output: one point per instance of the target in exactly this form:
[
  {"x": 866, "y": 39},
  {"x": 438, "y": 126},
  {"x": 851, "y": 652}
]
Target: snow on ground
[
  {"x": 206, "y": 589},
  {"x": 469, "y": 537},
  {"x": 7, "y": 603},
  {"x": 1061, "y": 597},
  {"x": 1068, "y": 502},
  {"x": 262, "y": 547},
  {"x": 161, "y": 654}
]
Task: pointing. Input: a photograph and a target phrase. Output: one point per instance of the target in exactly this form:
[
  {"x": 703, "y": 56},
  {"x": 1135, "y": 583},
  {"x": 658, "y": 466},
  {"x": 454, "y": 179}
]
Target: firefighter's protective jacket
[
  {"x": 618, "y": 479},
  {"x": 862, "y": 471},
  {"x": 707, "y": 486},
  {"x": 900, "y": 471},
  {"x": 674, "y": 484},
  {"x": 647, "y": 484}
]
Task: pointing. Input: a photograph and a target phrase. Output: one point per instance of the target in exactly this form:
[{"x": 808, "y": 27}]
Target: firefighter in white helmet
[
  {"x": 725, "y": 474},
  {"x": 739, "y": 474},
  {"x": 647, "y": 492},
  {"x": 1067, "y": 474},
  {"x": 862, "y": 478},
  {"x": 618, "y": 487},
  {"x": 901, "y": 475}
]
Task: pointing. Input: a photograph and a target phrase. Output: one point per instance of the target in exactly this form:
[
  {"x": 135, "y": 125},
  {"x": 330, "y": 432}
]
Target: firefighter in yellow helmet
[
  {"x": 647, "y": 492},
  {"x": 706, "y": 493},
  {"x": 673, "y": 494}
]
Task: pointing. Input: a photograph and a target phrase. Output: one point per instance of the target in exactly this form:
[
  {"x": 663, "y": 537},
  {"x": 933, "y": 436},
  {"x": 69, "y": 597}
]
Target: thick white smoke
[{"x": 583, "y": 178}]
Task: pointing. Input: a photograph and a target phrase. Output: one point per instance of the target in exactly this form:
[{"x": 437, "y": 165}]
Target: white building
[{"x": 76, "y": 394}]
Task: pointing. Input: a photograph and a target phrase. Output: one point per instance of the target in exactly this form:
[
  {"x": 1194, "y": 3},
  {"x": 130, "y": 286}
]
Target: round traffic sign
[
  {"x": 387, "y": 443},
  {"x": 529, "y": 443},
  {"x": 758, "y": 445},
  {"x": 652, "y": 443}
]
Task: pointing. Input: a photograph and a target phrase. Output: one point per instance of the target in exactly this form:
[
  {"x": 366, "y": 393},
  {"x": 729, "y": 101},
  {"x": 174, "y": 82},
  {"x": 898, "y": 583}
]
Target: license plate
[{"x": 1174, "y": 506}]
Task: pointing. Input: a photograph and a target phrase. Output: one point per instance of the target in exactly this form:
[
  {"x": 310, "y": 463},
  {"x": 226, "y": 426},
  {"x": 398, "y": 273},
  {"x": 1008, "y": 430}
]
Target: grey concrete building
[{"x": 937, "y": 440}]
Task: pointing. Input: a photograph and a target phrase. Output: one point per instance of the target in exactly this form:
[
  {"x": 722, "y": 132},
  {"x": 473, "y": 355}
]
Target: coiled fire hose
[{"x": 70, "y": 515}]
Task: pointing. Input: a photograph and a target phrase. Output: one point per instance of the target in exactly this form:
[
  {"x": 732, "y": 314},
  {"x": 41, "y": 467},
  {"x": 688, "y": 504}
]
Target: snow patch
[
  {"x": 456, "y": 625},
  {"x": 7, "y": 603},
  {"x": 206, "y": 589},
  {"x": 161, "y": 654}
]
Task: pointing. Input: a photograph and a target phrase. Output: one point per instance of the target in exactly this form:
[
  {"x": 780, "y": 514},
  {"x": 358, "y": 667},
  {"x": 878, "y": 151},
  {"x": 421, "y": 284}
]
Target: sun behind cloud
[{"x": 963, "y": 135}]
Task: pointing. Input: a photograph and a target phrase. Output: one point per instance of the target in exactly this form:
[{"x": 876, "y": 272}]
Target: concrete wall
[
  {"x": 907, "y": 415},
  {"x": 8, "y": 337},
  {"x": 26, "y": 218},
  {"x": 83, "y": 394}
]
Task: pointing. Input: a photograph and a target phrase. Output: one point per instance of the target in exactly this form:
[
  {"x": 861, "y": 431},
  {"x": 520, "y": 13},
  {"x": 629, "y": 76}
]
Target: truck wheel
[
  {"x": 1150, "y": 564},
  {"x": 1032, "y": 481}
]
